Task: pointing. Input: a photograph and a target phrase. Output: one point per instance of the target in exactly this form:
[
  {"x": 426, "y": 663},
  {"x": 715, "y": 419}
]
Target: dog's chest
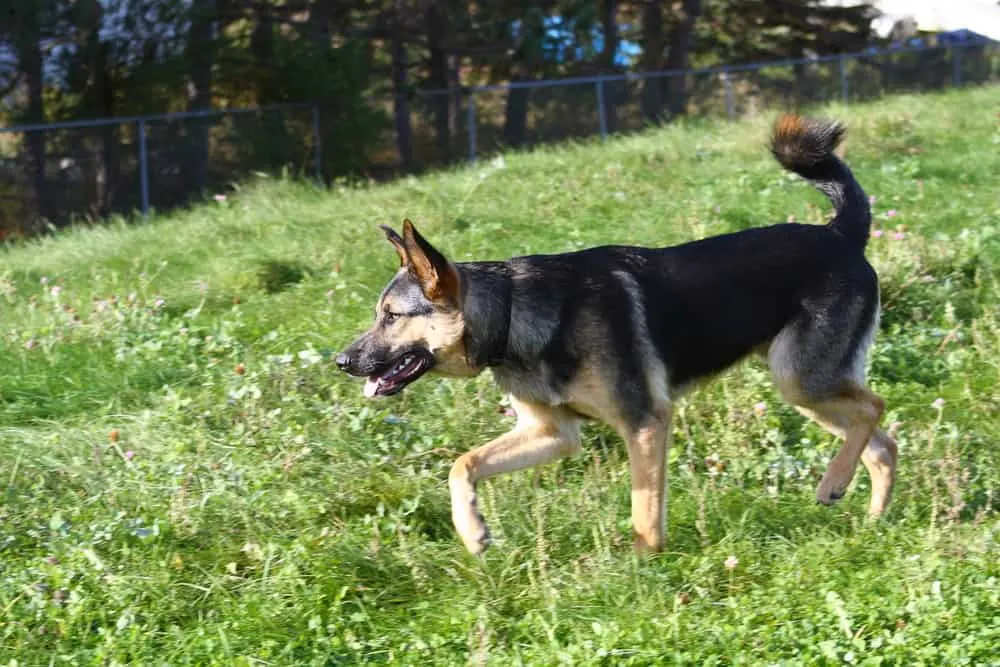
[
  {"x": 534, "y": 385},
  {"x": 539, "y": 386}
]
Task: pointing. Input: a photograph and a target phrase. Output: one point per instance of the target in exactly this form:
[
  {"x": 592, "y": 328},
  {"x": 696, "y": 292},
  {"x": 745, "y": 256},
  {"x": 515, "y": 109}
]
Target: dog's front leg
[
  {"x": 543, "y": 434},
  {"x": 647, "y": 451}
]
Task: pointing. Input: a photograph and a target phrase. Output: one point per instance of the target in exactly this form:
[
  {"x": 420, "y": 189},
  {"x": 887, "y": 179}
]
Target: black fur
[
  {"x": 486, "y": 298},
  {"x": 805, "y": 146},
  {"x": 616, "y": 333},
  {"x": 701, "y": 306},
  {"x": 707, "y": 303}
]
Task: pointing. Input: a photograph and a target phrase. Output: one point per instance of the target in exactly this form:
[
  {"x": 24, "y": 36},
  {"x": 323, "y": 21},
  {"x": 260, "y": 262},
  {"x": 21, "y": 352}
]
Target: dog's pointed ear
[
  {"x": 397, "y": 242},
  {"x": 437, "y": 276}
]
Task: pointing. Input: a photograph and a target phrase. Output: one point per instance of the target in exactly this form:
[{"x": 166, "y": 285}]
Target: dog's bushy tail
[{"x": 805, "y": 146}]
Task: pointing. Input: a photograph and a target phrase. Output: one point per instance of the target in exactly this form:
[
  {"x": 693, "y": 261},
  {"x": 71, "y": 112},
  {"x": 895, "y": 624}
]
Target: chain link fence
[{"x": 90, "y": 169}]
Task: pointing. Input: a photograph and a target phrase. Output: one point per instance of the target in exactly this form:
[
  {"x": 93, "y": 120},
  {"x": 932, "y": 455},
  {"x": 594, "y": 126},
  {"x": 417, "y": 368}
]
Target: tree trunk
[
  {"x": 105, "y": 94},
  {"x": 100, "y": 103},
  {"x": 455, "y": 97},
  {"x": 652, "y": 52},
  {"x": 30, "y": 65},
  {"x": 273, "y": 145},
  {"x": 323, "y": 15},
  {"x": 401, "y": 105},
  {"x": 606, "y": 60},
  {"x": 262, "y": 50},
  {"x": 680, "y": 49},
  {"x": 201, "y": 58},
  {"x": 516, "y": 113},
  {"x": 527, "y": 64},
  {"x": 320, "y": 15},
  {"x": 438, "y": 79}
]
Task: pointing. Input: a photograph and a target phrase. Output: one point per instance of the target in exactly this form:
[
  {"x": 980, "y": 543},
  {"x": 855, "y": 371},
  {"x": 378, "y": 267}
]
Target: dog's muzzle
[{"x": 385, "y": 376}]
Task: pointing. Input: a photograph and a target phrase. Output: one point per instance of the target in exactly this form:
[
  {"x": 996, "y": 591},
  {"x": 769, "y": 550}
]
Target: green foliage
[
  {"x": 336, "y": 78},
  {"x": 187, "y": 479},
  {"x": 751, "y": 31}
]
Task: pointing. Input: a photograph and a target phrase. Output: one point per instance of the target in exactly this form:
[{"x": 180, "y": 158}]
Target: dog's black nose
[{"x": 343, "y": 361}]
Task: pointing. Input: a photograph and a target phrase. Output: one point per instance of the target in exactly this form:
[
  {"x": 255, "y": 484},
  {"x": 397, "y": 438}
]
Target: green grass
[{"x": 190, "y": 481}]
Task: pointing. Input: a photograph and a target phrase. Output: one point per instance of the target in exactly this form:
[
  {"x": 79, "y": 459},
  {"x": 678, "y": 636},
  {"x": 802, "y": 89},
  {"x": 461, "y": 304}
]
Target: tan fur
[
  {"x": 789, "y": 126},
  {"x": 647, "y": 451},
  {"x": 854, "y": 416},
  {"x": 397, "y": 242},
  {"x": 543, "y": 434},
  {"x": 589, "y": 395},
  {"x": 442, "y": 333},
  {"x": 440, "y": 284},
  {"x": 879, "y": 457}
]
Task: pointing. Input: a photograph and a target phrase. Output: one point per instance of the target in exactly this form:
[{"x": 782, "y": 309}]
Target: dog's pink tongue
[{"x": 371, "y": 386}]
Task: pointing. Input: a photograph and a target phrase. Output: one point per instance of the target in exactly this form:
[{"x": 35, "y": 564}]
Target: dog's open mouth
[{"x": 402, "y": 372}]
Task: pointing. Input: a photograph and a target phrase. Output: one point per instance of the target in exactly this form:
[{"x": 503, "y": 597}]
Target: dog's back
[{"x": 708, "y": 303}]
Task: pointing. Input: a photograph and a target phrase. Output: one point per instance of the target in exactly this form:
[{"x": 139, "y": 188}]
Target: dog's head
[{"x": 418, "y": 321}]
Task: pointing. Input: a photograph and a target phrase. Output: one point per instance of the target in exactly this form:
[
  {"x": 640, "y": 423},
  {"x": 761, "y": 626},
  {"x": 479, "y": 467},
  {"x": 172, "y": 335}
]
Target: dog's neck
[{"x": 487, "y": 296}]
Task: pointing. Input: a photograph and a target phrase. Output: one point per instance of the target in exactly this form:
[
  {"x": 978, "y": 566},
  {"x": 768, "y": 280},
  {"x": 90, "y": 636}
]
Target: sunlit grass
[{"x": 186, "y": 479}]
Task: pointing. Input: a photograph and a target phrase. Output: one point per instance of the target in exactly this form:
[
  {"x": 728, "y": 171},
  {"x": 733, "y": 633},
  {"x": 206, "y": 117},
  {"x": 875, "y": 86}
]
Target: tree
[
  {"x": 678, "y": 58},
  {"x": 200, "y": 58},
  {"x": 674, "y": 88},
  {"x": 27, "y": 33},
  {"x": 652, "y": 53},
  {"x": 527, "y": 61},
  {"x": 401, "y": 89},
  {"x": 92, "y": 74},
  {"x": 610, "y": 41},
  {"x": 750, "y": 30},
  {"x": 438, "y": 78},
  {"x": 67, "y": 59}
]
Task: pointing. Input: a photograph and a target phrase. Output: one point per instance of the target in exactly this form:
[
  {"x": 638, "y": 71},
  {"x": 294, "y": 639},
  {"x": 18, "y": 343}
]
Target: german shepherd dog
[{"x": 618, "y": 333}]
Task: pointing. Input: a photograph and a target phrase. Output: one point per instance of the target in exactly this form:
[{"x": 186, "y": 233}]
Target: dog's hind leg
[
  {"x": 648, "y": 445},
  {"x": 542, "y": 435},
  {"x": 818, "y": 366},
  {"x": 854, "y": 415},
  {"x": 879, "y": 457}
]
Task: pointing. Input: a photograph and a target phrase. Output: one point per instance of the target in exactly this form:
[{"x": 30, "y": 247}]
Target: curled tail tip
[{"x": 799, "y": 143}]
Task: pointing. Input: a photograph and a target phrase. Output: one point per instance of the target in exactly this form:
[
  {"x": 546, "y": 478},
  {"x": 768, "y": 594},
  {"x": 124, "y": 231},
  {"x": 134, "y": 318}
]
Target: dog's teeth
[
  {"x": 402, "y": 363},
  {"x": 371, "y": 387}
]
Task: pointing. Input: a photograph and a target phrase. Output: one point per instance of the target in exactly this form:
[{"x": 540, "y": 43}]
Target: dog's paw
[
  {"x": 831, "y": 490},
  {"x": 472, "y": 528},
  {"x": 479, "y": 542},
  {"x": 646, "y": 545}
]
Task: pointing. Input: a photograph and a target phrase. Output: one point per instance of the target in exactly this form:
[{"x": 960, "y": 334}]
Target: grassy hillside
[{"x": 186, "y": 479}]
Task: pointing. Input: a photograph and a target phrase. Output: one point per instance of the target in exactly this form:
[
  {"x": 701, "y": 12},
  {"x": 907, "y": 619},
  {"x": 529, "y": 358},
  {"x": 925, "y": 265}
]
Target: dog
[{"x": 618, "y": 333}]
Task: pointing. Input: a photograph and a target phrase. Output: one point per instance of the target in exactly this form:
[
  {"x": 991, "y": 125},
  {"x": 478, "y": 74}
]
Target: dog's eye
[{"x": 389, "y": 318}]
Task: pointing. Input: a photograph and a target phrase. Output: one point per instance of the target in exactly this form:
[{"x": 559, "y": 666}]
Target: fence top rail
[
  {"x": 173, "y": 115},
  {"x": 718, "y": 69},
  {"x": 512, "y": 85}
]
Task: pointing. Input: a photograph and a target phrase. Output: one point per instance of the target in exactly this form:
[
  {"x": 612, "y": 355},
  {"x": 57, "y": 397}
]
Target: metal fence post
[
  {"x": 317, "y": 144},
  {"x": 730, "y": 110},
  {"x": 956, "y": 61},
  {"x": 843, "y": 80},
  {"x": 601, "y": 112},
  {"x": 471, "y": 121},
  {"x": 143, "y": 167}
]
